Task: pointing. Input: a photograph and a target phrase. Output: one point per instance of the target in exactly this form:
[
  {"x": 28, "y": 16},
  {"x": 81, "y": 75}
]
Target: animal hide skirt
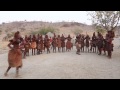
[
  {"x": 15, "y": 58},
  {"x": 68, "y": 45},
  {"x": 63, "y": 44},
  {"x": 59, "y": 44}
]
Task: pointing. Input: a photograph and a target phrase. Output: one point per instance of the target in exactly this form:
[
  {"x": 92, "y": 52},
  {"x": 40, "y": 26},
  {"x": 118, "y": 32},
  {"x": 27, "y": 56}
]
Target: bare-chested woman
[{"x": 15, "y": 54}]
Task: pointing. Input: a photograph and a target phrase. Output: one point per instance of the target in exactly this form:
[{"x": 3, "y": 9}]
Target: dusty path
[{"x": 66, "y": 65}]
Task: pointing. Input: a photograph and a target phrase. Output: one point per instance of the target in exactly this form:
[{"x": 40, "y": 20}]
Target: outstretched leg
[
  {"x": 17, "y": 71},
  {"x": 7, "y": 70}
]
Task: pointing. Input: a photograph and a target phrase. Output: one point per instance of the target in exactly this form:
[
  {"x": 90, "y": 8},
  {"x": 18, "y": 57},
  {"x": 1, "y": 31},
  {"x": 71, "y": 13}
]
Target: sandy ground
[{"x": 66, "y": 65}]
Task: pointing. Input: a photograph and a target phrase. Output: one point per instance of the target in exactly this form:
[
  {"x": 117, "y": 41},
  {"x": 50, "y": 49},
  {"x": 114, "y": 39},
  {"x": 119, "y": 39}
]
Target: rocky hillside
[
  {"x": 7, "y": 29},
  {"x": 27, "y": 27}
]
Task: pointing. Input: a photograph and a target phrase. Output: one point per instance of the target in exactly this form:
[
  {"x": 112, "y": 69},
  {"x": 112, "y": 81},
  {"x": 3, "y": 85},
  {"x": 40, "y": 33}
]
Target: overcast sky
[{"x": 54, "y": 16}]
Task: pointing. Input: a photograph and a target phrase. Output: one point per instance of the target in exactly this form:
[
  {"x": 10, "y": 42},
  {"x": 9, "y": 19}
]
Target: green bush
[
  {"x": 33, "y": 32},
  {"x": 9, "y": 35},
  {"x": 44, "y": 31},
  {"x": 77, "y": 31},
  {"x": 101, "y": 30}
]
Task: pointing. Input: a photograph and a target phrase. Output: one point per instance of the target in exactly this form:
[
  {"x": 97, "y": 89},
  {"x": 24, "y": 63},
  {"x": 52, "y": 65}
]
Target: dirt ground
[{"x": 66, "y": 65}]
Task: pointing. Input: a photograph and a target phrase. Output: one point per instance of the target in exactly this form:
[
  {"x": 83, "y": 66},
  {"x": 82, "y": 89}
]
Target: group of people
[
  {"x": 38, "y": 44},
  {"x": 97, "y": 43},
  {"x": 21, "y": 46}
]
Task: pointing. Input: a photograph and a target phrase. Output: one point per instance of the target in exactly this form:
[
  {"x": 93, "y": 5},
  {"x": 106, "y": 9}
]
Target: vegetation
[
  {"x": 44, "y": 31},
  {"x": 101, "y": 30},
  {"x": 9, "y": 35},
  {"x": 77, "y": 31},
  {"x": 108, "y": 20}
]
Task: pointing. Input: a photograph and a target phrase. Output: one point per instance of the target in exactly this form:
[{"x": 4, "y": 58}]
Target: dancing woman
[{"x": 15, "y": 54}]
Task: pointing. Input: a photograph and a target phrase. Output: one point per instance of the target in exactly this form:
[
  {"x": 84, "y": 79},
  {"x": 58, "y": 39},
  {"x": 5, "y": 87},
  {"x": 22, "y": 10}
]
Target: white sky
[{"x": 54, "y": 16}]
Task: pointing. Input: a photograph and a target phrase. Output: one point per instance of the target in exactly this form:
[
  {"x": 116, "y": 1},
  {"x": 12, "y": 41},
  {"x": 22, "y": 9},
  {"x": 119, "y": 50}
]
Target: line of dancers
[{"x": 21, "y": 46}]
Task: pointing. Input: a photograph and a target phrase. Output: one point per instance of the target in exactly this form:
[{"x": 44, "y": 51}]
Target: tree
[
  {"x": 101, "y": 30},
  {"x": 107, "y": 20}
]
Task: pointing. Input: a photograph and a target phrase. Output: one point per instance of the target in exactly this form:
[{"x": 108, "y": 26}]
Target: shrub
[
  {"x": 9, "y": 35},
  {"x": 77, "y": 31},
  {"x": 44, "y": 31},
  {"x": 101, "y": 30}
]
